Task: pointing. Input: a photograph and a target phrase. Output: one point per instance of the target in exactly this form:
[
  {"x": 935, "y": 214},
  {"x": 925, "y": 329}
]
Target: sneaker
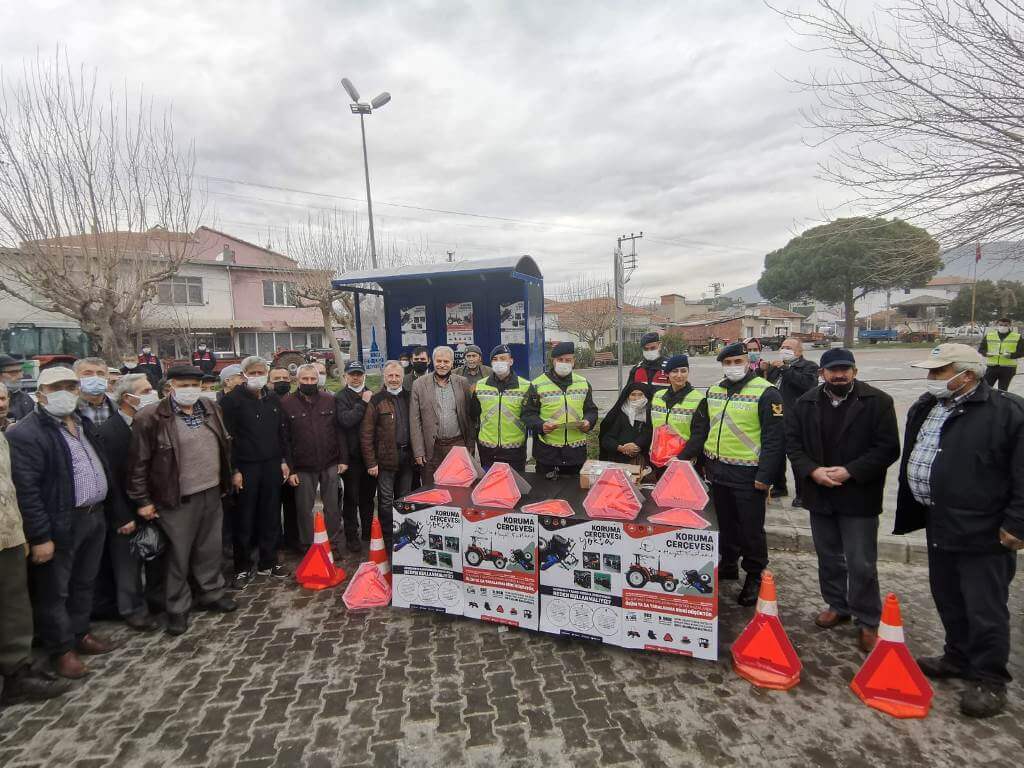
[
  {"x": 276, "y": 572},
  {"x": 983, "y": 699},
  {"x": 241, "y": 580}
]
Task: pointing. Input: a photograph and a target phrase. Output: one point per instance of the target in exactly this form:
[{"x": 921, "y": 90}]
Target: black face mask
[
  {"x": 309, "y": 389},
  {"x": 282, "y": 387},
  {"x": 839, "y": 390},
  {"x": 419, "y": 366}
]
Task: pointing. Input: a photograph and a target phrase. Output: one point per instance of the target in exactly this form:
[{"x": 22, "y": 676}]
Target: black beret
[
  {"x": 563, "y": 348},
  {"x": 676, "y": 361},
  {"x": 649, "y": 338},
  {"x": 501, "y": 349},
  {"x": 735, "y": 349}
]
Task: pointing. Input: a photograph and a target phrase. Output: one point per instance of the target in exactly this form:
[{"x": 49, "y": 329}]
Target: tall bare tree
[
  {"x": 586, "y": 308},
  {"x": 924, "y": 110},
  {"x": 96, "y": 199}
]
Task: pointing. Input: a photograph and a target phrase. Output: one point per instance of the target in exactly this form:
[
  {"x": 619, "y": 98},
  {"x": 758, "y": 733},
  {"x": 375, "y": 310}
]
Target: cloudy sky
[{"x": 557, "y": 126}]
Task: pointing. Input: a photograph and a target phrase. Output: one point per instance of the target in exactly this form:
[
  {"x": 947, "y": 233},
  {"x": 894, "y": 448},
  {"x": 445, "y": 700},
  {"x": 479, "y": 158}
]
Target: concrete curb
[{"x": 891, "y": 549}]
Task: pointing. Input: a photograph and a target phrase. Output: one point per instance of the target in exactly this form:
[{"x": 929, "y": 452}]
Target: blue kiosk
[{"x": 485, "y": 302}]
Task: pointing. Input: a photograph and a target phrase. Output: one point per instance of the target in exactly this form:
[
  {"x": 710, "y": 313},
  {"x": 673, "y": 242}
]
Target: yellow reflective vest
[
  {"x": 735, "y": 436},
  {"x": 680, "y": 415},
  {"x": 1000, "y": 351},
  {"x": 501, "y": 424},
  {"x": 562, "y": 407}
]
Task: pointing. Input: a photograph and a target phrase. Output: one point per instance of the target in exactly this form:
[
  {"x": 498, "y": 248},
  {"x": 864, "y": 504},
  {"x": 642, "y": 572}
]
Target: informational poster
[
  {"x": 458, "y": 319},
  {"x": 414, "y": 326},
  {"x": 426, "y": 559},
  {"x": 499, "y": 573},
  {"x": 512, "y": 321},
  {"x": 670, "y": 594}
]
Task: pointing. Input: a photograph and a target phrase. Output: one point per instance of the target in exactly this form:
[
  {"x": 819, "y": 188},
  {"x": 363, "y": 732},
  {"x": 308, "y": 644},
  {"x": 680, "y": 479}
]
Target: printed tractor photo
[
  {"x": 557, "y": 550},
  {"x": 475, "y": 554},
  {"x": 523, "y": 558},
  {"x": 699, "y": 581},
  {"x": 408, "y": 533},
  {"x": 639, "y": 575}
]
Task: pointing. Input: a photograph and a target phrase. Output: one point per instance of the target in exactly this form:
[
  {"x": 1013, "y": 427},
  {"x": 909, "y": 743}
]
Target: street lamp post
[{"x": 362, "y": 109}]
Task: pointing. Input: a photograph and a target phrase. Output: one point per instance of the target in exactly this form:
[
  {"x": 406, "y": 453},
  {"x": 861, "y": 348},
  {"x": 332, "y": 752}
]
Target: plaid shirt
[
  {"x": 926, "y": 448},
  {"x": 86, "y": 467},
  {"x": 193, "y": 420},
  {"x": 97, "y": 414}
]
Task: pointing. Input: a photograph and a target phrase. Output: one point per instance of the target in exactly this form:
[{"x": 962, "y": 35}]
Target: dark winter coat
[
  {"x": 350, "y": 410},
  {"x": 311, "y": 430},
  {"x": 377, "y": 433}
]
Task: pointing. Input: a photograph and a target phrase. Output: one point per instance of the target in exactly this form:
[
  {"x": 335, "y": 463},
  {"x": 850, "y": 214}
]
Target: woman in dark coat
[{"x": 626, "y": 429}]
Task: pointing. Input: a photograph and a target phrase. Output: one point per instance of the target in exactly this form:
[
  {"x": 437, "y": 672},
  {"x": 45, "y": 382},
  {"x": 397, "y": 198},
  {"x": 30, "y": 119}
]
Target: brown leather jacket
[
  {"x": 377, "y": 433},
  {"x": 153, "y": 456}
]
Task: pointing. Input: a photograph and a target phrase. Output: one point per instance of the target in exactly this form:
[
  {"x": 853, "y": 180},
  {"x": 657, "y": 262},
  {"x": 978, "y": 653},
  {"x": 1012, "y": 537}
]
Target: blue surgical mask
[
  {"x": 754, "y": 356},
  {"x": 93, "y": 385}
]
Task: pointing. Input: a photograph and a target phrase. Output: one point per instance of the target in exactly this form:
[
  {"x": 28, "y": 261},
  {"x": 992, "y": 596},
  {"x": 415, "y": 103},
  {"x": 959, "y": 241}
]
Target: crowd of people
[{"x": 222, "y": 471}]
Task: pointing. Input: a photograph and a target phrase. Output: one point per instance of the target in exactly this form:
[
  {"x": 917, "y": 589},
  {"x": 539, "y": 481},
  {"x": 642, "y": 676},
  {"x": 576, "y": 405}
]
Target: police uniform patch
[{"x": 776, "y": 409}]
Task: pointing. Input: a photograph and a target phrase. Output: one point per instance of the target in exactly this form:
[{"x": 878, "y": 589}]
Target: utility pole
[{"x": 623, "y": 268}]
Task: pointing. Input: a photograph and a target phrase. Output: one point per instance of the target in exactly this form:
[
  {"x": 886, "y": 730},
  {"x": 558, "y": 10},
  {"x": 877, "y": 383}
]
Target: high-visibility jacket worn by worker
[
  {"x": 564, "y": 408},
  {"x": 1000, "y": 351},
  {"x": 501, "y": 424},
  {"x": 678, "y": 416},
  {"x": 735, "y": 436}
]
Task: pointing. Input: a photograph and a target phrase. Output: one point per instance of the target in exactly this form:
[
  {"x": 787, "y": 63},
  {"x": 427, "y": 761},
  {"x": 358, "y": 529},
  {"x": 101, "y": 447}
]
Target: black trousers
[
  {"x": 257, "y": 522},
  {"x": 971, "y": 593},
  {"x": 514, "y": 457},
  {"x": 741, "y": 524},
  {"x": 357, "y": 509},
  {"x": 1001, "y": 374},
  {"x": 15, "y": 612},
  {"x": 847, "y": 549},
  {"x": 290, "y": 537},
  {"x": 62, "y": 587}
]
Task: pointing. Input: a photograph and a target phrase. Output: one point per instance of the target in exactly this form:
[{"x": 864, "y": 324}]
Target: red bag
[{"x": 666, "y": 444}]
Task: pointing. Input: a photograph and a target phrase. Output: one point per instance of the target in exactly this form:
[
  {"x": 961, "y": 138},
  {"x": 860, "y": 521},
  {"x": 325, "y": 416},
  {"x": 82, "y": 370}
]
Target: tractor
[
  {"x": 699, "y": 581},
  {"x": 408, "y": 533},
  {"x": 558, "y": 550},
  {"x": 639, "y": 575},
  {"x": 475, "y": 554},
  {"x": 523, "y": 558}
]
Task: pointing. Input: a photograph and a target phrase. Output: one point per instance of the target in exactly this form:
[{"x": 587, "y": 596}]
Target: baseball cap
[
  {"x": 230, "y": 370},
  {"x": 947, "y": 354},
  {"x": 56, "y": 375},
  {"x": 837, "y": 358},
  {"x": 354, "y": 366}
]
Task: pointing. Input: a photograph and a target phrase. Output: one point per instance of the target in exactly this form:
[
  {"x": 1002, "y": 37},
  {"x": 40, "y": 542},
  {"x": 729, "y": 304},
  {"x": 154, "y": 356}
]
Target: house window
[
  {"x": 277, "y": 293},
  {"x": 247, "y": 344},
  {"x": 180, "y": 290},
  {"x": 316, "y": 340},
  {"x": 222, "y": 343}
]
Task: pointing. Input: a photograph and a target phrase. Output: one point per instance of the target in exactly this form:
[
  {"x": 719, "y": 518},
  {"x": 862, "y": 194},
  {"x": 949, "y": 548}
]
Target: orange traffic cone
[
  {"x": 378, "y": 555},
  {"x": 317, "y": 569},
  {"x": 890, "y": 679},
  {"x": 762, "y": 653}
]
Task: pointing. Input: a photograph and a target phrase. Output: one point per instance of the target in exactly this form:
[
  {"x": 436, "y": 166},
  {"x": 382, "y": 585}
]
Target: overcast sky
[{"x": 583, "y": 120}]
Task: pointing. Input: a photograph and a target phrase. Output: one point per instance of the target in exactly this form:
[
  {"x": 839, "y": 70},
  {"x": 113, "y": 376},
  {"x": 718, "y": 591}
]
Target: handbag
[{"x": 148, "y": 542}]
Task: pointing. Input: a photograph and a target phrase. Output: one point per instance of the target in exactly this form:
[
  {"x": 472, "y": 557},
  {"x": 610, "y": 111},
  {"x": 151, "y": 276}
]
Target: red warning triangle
[
  {"x": 613, "y": 497},
  {"x": 891, "y": 681},
  {"x": 429, "y": 496},
  {"x": 682, "y": 518},
  {"x": 317, "y": 569},
  {"x": 501, "y": 487},
  {"x": 458, "y": 468},
  {"x": 680, "y": 486},
  {"x": 765, "y": 646},
  {"x": 368, "y": 589},
  {"x": 666, "y": 444},
  {"x": 550, "y": 507}
]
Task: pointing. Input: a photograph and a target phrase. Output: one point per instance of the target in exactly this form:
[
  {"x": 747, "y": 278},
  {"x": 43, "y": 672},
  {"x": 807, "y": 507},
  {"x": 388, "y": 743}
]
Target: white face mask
[
  {"x": 146, "y": 350},
  {"x": 563, "y": 369},
  {"x": 734, "y": 372},
  {"x": 652, "y": 354},
  {"x": 1002, "y": 328},
  {"x": 396, "y": 391},
  {"x": 405, "y": 363},
  {"x": 940, "y": 387},
  {"x": 358, "y": 389},
  {"x": 788, "y": 354},
  {"x": 255, "y": 382},
  {"x": 60, "y": 403},
  {"x": 209, "y": 395},
  {"x": 131, "y": 365},
  {"x": 638, "y": 405},
  {"x": 187, "y": 396},
  {"x": 147, "y": 399},
  {"x": 501, "y": 367},
  {"x": 322, "y": 379}
]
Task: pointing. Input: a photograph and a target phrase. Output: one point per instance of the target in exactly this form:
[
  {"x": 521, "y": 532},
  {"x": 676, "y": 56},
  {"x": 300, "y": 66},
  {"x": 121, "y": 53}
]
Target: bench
[{"x": 604, "y": 358}]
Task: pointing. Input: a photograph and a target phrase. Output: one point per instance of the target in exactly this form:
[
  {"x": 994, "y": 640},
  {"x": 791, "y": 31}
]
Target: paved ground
[{"x": 295, "y": 679}]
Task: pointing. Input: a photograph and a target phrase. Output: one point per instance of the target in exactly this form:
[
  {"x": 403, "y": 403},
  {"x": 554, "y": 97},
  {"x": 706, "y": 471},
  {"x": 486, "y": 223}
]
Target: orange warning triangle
[
  {"x": 762, "y": 653},
  {"x": 682, "y": 518},
  {"x": 550, "y": 507},
  {"x": 368, "y": 589},
  {"x": 666, "y": 444},
  {"x": 613, "y": 497},
  {"x": 458, "y": 468},
  {"x": 317, "y": 569},
  {"x": 429, "y": 496},
  {"x": 680, "y": 486},
  {"x": 498, "y": 488}
]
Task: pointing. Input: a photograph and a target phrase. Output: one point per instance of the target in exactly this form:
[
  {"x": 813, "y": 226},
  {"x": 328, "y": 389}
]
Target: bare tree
[
  {"x": 96, "y": 200},
  {"x": 586, "y": 308},
  {"x": 924, "y": 110}
]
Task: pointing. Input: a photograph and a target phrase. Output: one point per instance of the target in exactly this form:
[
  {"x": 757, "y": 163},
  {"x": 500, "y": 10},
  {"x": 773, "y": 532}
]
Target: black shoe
[
  {"x": 983, "y": 699},
  {"x": 728, "y": 572},
  {"x": 751, "y": 589},
  {"x": 223, "y": 605},
  {"x": 779, "y": 493},
  {"x": 30, "y": 685},
  {"x": 142, "y": 621},
  {"x": 939, "y": 667},
  {"x": 275, "y": 571},
  {"x": 797, "y": 502},
  {"x": 241, "y": 580},
  {"x": 177, "y": 623}
]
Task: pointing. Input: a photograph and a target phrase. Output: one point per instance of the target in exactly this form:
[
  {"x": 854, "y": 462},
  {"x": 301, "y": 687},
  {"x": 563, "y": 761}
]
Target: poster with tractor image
[
  {"x": 670, "y": 594},
  {"x": 499, "y": 567},
  {"x": 426, "y": 559},
  {"x": 581, "y": 577}
]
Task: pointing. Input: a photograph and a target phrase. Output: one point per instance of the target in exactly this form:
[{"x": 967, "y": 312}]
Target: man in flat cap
[
  {"x": 473, "y": 368},
  {"x": 560, "y": 411},
  {"x": 744, "y": 449}
]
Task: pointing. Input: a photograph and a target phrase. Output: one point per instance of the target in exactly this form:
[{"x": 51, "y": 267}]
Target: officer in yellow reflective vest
[
  {"x": 496, "y": 405},
  {"x": 744, "y": 450},
  {"x": 682, "y": 407},
  {"x": 560, "y": 411},
  {"x": 1001, "y": 346}
]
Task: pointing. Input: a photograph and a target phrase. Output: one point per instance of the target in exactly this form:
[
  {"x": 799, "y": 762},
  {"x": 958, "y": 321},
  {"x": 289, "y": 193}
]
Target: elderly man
[
  {"x": 961, "y": 480},
  {"x": 386, "y": 443},
  {"x": 252, "y": 414},
  {"x": 841, "y": 438},
  {"x": 62, "y": 482},
  {"x": 319, "y": 454},
  {"x": 419, "y": 365},
  {"x": 439, "y": 415},
  {"x": 21, "y": 404},
  {"x": 744, "y": 449},
  {"x": 5, "y": 408},
  {"x": 180, "y": 465},
  {"x": 793, "y": 375},
  {"x": 279, "y": 381},
  {"x": 650, "y": 370},
  {"x": 560, "y": 411},
  {"x": 93, "y": 403},
  {"x": 350, "y": 406},
  {"x": 496, "y": 407},
  {"x": 230, "y": 377},
  {"x": 132, "y": 394},
  {"x": 473, "y": 369}
]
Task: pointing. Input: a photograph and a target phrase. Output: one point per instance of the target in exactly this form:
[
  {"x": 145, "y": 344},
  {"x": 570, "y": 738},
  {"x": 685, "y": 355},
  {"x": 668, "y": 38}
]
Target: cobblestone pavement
[{"x": 293, "y": 678}]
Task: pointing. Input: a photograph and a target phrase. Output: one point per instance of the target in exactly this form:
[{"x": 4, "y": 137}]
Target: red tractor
[
  {"x": 475, "y": 554},
  {"x": 638, "y": 575}
]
